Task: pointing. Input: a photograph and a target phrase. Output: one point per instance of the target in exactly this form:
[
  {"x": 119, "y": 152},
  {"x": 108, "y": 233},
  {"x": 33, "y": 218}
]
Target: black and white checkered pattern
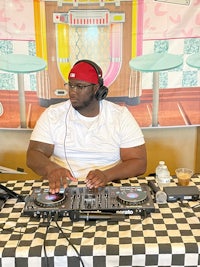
[{"x": 168, "y": 237}]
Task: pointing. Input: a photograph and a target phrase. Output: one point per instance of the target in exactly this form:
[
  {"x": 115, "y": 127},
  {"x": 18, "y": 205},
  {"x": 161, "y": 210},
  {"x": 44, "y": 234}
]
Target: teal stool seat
[
  {"x": 21, "y": 64},
  {"x": 194, "y": 61},
  {"x": 155, "y": 63}
]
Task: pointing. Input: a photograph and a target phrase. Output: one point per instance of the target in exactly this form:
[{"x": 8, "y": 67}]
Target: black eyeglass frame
[{"x": 78, "y": 86}]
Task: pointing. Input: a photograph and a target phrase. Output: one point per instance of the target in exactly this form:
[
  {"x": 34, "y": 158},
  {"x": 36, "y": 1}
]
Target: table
[
  {"x": 193, "y": 61},
  {"x": 155, "y": 63},
  {"x": 20, "y": 64},
  {"x": 168, "y": 237}
]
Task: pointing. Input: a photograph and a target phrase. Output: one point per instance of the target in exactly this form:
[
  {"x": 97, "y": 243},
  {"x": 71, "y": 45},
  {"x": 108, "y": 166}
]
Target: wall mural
[{"x": 115, "y": 33}]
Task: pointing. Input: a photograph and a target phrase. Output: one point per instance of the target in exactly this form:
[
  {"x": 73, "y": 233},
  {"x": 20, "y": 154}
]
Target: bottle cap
[{"x": 161, "y": 197}]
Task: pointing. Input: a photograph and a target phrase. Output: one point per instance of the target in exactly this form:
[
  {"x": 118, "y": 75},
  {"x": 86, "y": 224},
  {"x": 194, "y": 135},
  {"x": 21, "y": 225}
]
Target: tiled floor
[{"x": 177, "y": 107}]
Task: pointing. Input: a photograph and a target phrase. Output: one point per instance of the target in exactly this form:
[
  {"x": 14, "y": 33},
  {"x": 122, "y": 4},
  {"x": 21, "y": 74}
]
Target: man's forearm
[
  {"x": 40, "y": 163},
  {"x": 126, "y": 169}
]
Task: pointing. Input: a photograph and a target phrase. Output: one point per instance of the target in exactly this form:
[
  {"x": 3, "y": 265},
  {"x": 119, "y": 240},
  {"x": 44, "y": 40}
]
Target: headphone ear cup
[{"x": 101, "y": 93}]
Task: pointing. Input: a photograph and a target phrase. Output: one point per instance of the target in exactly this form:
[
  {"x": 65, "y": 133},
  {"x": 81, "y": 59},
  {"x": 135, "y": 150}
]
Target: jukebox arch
[
  {"x": 95, "y": 34},
  {"x": 106, "y": 35}
]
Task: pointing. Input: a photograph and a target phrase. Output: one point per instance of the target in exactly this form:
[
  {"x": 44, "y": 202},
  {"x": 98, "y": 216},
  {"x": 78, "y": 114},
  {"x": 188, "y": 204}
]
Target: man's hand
[
  {"x": 96, "y": 179},
  {"x": 38, "y": 159},
  {"x": 58, "y": 178}
]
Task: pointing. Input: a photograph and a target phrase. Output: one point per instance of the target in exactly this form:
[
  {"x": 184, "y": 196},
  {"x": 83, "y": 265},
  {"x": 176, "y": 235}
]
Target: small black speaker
[{"x": 175, "y": 193}]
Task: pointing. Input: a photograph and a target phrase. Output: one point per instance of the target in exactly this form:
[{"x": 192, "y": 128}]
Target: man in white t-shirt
[{"x": 86, "y": 137}]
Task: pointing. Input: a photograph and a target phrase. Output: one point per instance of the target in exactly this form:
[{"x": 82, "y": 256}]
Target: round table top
[
  {"x": 156, "y": 62},
  {"x": 193, "y": 61},
  {"x": 19, "y": 63}
]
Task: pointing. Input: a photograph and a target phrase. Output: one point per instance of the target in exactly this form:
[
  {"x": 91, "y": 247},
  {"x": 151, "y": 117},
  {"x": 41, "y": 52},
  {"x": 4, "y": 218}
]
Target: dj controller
[{"x": 83, "y": 203}]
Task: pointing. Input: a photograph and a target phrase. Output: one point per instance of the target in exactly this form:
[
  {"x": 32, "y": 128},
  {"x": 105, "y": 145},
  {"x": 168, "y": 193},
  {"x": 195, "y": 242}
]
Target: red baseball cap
[{"x": 84, "y": 71}]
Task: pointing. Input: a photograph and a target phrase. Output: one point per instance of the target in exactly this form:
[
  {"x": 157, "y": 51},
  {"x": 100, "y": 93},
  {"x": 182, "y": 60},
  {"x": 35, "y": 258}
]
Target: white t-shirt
[{"x": 81, "y": 143}]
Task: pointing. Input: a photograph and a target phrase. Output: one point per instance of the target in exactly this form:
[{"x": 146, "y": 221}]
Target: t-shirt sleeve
[
  {"x": 131, "y": 133},
  {"x": 42, "y": 130}
]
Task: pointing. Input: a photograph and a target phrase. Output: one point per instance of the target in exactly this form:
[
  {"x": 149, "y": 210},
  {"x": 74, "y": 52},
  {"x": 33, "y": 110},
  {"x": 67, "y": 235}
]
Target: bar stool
[
  {"x": 21, "y": 64},
  {"x": 194, "y": 61},
  {"x": 1, "y": 109},
  {"x": 155, "y": 63}
]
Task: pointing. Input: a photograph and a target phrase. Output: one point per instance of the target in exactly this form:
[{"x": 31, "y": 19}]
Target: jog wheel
[{"x": 49, "y": 200}]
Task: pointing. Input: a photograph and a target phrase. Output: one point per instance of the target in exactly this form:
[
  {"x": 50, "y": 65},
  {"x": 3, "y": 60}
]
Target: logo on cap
[{"x": 72, "y": 75}]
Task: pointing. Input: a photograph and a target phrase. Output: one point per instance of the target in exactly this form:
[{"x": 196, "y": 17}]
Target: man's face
[{"x": 81, "y": 93}]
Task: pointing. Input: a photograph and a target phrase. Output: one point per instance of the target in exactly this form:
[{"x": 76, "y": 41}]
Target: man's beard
[{"x": 85, "y": 104}]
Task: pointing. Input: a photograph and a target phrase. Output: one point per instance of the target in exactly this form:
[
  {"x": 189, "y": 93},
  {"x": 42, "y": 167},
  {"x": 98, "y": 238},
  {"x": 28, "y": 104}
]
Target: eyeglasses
[{"x": 79, "y": 87}]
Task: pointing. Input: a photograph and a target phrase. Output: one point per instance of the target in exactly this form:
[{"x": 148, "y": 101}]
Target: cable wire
[
  {"x": 65, "y": 138},
  {"x": 70, "y": 243},
  {"x": 46, "y": 263}
]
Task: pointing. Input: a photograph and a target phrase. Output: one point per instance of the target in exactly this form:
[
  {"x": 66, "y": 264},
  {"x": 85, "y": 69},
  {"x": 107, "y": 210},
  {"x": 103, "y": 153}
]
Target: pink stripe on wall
[{"x": 115, "y": 54}]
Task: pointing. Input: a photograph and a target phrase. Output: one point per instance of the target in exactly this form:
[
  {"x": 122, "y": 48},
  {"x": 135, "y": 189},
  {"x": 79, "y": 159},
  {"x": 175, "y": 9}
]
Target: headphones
[{"x": 103, "y": 90}]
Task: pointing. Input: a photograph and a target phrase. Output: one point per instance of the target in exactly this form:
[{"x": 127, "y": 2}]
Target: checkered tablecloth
[{"x": 170, "y": 236}]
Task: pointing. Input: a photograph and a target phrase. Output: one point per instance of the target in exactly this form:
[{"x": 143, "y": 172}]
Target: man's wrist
[
  {"x": 108, "y": 176},
  {"x": 49, "y": 168}
]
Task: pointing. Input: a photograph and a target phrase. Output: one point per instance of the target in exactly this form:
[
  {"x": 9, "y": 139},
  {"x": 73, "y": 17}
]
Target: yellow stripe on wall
[
  {"x": 134, "y": 27},
  {"x": 40, "y": 29},
  {"x": 62, "y": 46}
]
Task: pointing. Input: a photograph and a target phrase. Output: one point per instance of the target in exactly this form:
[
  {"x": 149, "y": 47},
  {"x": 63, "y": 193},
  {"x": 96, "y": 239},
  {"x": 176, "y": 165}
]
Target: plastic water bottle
[
  {"x": 163, "y": 177},
  {"x": 158, "y": 168}
]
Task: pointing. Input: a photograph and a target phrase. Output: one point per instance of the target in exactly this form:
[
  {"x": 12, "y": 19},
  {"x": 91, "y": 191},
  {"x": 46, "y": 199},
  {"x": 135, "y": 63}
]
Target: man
[{"x": 86, "y": 136}]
